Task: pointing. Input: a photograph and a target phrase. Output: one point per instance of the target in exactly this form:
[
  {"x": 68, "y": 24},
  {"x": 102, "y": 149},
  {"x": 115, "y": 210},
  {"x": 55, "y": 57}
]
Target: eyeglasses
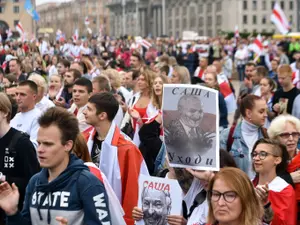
[
  {"x": 262, "y": 155},
  {"x": 287, "y": 135},
  {"x": 228, "y": 196}
]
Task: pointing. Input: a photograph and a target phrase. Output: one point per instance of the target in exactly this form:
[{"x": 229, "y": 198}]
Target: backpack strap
[{"x": 230, "y": 137}]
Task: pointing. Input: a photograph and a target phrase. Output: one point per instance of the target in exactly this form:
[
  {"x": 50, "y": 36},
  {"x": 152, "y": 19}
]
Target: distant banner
[
  {"x": 191, "y": 126},
  {"x": 158, "y": 198}
]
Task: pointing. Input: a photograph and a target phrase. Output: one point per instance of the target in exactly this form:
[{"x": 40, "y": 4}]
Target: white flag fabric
[
  {"x": 257, "y": 46},
  {"x": 75, "y": 35},
  {"x": 279, "y": 19},
  {"x": 236, "y": 32},
  {"x": 20, "y": 29}
]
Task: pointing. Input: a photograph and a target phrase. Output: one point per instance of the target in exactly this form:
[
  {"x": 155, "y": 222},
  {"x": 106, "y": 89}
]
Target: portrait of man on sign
[{"x": 156, "y": 206}]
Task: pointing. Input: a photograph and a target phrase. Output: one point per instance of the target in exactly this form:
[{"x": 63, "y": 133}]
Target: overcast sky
[{"x": 38, "y": 2}]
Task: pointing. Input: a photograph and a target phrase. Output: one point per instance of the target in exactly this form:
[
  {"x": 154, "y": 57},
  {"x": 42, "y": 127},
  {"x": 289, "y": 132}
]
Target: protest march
[{"x": 96, "y": 129}]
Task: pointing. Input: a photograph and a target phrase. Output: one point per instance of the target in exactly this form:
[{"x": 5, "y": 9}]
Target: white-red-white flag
[
  {"x": 20, "y": 29},
  {"x": 9, "y": 33},
  {"x": 279, "y": 19},
  {"x": 86, "y": 20},
  {"x": 75, "y": 35},
  {"x": 258, "y": 45},
  {"x": 236, "y": 32},
  {"x": 146, "y": 44}
]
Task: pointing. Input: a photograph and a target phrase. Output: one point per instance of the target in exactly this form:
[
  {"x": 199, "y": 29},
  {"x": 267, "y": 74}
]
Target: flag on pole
[
  {"x": 279, "y": 19},
  {"x": 31, "y": 11},
  {"x": 258, "y": 45},
  {"x": 86, "y": 20},
  {"x": 146, "y": 44},
  {"x": 236, "y": 32},
  {"x": 20, "y": 29},
  {"x": 75, "y": 35}
]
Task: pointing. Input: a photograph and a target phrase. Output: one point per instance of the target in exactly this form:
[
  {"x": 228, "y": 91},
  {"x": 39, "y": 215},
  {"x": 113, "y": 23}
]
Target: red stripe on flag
[
  {"x": 225, "y": 89},
  {"x": 21, "y": 28},
  {"x": 258, "y": 43},
  {"x": 277, "y": 15}
]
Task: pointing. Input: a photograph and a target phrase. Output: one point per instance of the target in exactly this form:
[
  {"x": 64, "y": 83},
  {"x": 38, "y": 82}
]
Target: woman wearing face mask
[
  {"x": 232, "y": 199},
  {"x": 270, "y": 159},
  {"x": 151, "y": 131},
  {"x": 211, "y": 81},
  {"x": 267, "y": 87},
  {"x": 286, "y": 130},
  {"x": 239, "y": 139}
]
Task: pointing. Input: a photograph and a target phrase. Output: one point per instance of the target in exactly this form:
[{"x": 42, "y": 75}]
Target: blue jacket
[
  {"x": 75, "y": 194},
  {"x": 223, "y": 112},
  {"x": 239, "y": 149}
]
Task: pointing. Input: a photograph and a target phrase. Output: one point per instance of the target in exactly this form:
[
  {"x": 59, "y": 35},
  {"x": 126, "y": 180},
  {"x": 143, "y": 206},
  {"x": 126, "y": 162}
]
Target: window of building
[
  {"x": 264, "y": 5},
  {"x": 245, "y": 31},
  {"x": 200, "y": 8},
  {"x": 177, "y": 11},
  {"x": 184, "y": 10},
  {"x": 219, "y": 6},
  {"x": 209, "y": 7},
  {"x": 177, "y": 23},
  {"x": 254, "y": 5},
  {"x": 201, "y": 33},
  {"x": 291, "y": 5},
  {"x": 192, "y": 14},
  {"x": 16, "y": 22},
  {"x": 170, "y": 24},
  {"x": 245, "y": 19},
  {"x": 1, "y": 9},
  {"x": 254, "y": 19},
  {"x": 264, "y": 20},
  {"x": 16, "y": 9},
  {"x": 291, "y": 19},
  {"x": 282, "y": 5},
  {"x": 219, "y": 20},
  {"x": 184, "y": 23},
  {"x": 272, "y": 4},
  {"x": 209, "y": 20},
  {"x": 170, "y": 12},
  {"x": 16, "y": 1},
  {"x": 201, "y": 21},
  {"x": 209, "y": 33},
  {"x": 245, "y": 5}
]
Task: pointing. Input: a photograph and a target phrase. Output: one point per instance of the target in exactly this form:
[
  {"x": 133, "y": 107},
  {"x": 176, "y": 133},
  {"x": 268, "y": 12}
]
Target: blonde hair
[
  {"x": 252, "y": 210},
  {"x": 156, "y": 101},
  {"x": 279, "y": 123},
  {"x": 5, "y": 106},
  {"x": 285, "y": 68},
  {"x": 39, "y": 80},
  {"x": 183, "y": 73},
  {"x": 149, "y": 76},
  {"x": 114, "y": 77}
]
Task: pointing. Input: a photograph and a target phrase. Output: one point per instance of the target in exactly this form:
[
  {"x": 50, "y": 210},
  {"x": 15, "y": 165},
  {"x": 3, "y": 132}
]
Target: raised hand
[{"x": 9, "y": 198}]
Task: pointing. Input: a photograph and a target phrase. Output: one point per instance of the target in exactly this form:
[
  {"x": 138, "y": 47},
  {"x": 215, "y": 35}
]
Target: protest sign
[
  {"x": 191, "y": 126},
  {"x": 158, "y": 198}
]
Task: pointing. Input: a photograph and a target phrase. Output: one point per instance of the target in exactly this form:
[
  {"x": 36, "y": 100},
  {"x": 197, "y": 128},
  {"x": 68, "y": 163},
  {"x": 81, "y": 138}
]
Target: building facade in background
[
  {"x": 206, "y": 17},
  {"x": 13, "y": 11},
  {"x": 69, "y": 16}
]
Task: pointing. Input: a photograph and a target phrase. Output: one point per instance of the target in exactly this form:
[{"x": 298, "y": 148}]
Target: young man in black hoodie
[
  {"x": 18, "y": 161},
  {"x": 64, "y": 187}
]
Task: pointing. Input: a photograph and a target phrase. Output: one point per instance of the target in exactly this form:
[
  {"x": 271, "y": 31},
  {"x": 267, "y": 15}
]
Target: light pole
[
  {"x": 164, "y": 16},
  {"x": 137, "y": 17}
]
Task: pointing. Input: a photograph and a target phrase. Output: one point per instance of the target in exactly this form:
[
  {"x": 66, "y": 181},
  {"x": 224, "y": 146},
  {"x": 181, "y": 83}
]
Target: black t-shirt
[
  {"x": 19, "y": 164},
  {"x": 285, "y": 99},
  {"x": 96, "y": 150}
]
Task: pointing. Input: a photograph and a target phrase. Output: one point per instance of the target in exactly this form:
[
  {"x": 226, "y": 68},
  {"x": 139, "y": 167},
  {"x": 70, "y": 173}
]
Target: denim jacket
[{"x": 239, "y": 149}]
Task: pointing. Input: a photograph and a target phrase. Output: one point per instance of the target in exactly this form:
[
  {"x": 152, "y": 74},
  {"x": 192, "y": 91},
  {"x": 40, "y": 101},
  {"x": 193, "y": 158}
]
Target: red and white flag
[
  {"x": 146, "y": 44},
  {"x": 227, "y": 93},
  {"x": 9, "y": 33},
  {"x": 279, "y": 19},
  {"x": 86, "y": 20},
  {"x": 75, "y": 35},
  {"x": 236, "y": 32},
  {"x": 20, "y": 29},
  {"x": 258, "y": 45}
]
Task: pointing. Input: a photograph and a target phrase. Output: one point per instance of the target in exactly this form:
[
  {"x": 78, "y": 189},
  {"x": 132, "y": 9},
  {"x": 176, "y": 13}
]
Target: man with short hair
[
  {"x": 65, "y": 187},
  {"x": 17, "y": 154},
  {"x": 131, "y": 81},
  {"x": 66, "y": 95},
  {"x": 26, "y": 119},
  {"x": 63, "y": 66},
  {"x": 203, "y": 63},
  {"x": 117, "y": 157},
  {"x": 11, "y": 91},
  {"x": 82, "y": 90},
  {"x": 15, "y": 68},
  {"x": 136, "y": 61},
  {"x": 283, "y": 99}
]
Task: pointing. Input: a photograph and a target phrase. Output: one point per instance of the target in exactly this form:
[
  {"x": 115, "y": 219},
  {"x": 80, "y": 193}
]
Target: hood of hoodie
[{"x": 73, "y": 170}]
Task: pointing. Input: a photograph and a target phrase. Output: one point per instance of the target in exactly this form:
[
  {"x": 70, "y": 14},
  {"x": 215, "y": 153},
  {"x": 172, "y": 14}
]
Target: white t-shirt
[
  {"x": 27, "y": 122},
  {"x": 44, "y": 104}
]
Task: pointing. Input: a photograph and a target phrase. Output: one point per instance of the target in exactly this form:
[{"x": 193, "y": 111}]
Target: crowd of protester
[{"x": 81, "y": 120}]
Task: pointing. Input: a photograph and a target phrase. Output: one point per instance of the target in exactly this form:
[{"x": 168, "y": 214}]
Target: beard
[{"x": 154, "y": 218}]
